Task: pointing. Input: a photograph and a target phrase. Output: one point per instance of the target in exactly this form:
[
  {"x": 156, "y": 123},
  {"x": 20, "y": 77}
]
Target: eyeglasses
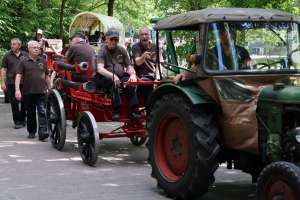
[
  {"x": 34, "y": 47},
  {"x": 144, "y": 34},
  {"x": 114, "y": 39}
]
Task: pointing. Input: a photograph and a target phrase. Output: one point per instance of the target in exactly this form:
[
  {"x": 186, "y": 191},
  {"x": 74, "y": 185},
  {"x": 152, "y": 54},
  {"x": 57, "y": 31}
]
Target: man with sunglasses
[{"x": 111, "y": 60}]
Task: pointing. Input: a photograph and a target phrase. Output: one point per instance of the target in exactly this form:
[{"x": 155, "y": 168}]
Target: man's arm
[
  {"x": 185, "y": 75},
  {"x": 130, "y": 70},
  {"x": 53, "y": 75},
  {"x": 132, "y": 73},
  {"x": 250, "y": 63},
  {"x": 47, "y": 44},
  {"x": 140, "y": 60},
  {"x": 54, "y": 50},
  {"x": 17, "y": 86},
  {"x": 104, "y": 72},
  {"x": 48, "y": 82},
  {"x": 3, "y": 76},
  {"x": 246, "y": 59}
]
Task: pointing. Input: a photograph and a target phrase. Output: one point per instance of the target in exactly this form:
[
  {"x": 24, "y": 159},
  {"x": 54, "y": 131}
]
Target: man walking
[
  {"x": 35, "y": 72},
  {"x": 9, "y": 66}
]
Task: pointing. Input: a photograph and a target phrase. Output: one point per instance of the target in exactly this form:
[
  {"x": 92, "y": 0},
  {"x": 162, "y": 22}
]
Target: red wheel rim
[
  {"x": 280, "y": 188},
  {"x": 172, "y": 148}
]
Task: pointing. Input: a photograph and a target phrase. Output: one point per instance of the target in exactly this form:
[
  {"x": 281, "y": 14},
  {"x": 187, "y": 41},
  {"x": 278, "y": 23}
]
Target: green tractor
[{"x": 239, "y": 103}]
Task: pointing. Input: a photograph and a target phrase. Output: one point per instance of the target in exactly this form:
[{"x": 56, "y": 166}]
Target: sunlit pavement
[{"x": 31, "y": 169}]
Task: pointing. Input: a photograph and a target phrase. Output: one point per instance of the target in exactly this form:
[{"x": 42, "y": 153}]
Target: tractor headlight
[{"x": 297, "y": 135}]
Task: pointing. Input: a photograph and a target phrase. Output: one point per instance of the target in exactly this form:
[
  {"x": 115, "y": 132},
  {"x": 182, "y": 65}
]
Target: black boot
[
  {"x": 116, "y": 115},
  {"x": 133, "y": 115}
]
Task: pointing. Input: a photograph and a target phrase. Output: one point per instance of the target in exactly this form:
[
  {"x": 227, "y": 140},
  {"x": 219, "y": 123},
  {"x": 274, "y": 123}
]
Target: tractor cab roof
[{"x": 192, "y": 18}]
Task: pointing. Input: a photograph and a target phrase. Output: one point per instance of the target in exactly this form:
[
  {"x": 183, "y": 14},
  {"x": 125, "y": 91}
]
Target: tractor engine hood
[{"x": 281, "y": 93}]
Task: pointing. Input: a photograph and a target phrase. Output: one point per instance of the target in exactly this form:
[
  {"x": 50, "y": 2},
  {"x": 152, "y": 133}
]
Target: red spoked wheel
[
  {"x": 182, "y": 147},
  {"x": 279, "y": 180}
]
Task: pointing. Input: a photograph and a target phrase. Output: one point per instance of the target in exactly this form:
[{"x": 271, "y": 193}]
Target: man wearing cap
[
  {"x": 80, "y": 51},
  {"x": 43, "y": 43},
  {"x": 111, "y": 60},
  {"x": 144, "y": 56}
]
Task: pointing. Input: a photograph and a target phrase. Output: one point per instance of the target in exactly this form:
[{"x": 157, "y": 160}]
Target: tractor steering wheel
[
  {"x": 171, "y": 67},
  {"x": 269, "y": 65}
]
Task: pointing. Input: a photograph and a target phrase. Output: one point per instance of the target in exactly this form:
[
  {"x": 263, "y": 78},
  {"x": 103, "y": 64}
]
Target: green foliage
[
  {"x": 20, "y": 18},
  {"x": 171, "y": 7},
  {"x": 2, "y": 52}
]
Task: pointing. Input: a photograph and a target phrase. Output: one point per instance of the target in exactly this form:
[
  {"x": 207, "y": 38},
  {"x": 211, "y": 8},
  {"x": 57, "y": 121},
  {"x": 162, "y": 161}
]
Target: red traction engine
[{"x": 85, "y": 105}]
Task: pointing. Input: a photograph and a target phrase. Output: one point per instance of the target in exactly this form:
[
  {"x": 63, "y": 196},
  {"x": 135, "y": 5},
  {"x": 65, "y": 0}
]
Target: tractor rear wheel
[
  {"x": 182, "y": 147},
  {"x": 279, "y": 180}
]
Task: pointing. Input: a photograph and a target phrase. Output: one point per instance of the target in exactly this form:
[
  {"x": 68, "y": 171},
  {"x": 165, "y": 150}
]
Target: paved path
[{"x": 30, "y": 169}]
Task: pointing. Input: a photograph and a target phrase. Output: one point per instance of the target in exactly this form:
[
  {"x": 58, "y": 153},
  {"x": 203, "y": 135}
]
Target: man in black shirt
[
  {"x": 9, "y": 66},
  {"x": 227, "y": 55}
]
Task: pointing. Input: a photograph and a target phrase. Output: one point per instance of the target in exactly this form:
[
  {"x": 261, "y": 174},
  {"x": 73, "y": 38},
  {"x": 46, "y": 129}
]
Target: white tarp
[{"x": 90, "y": 22}]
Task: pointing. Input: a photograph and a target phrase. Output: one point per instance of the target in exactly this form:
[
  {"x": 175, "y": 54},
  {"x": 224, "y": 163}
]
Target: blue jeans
[{"x": 45, "y": 56}]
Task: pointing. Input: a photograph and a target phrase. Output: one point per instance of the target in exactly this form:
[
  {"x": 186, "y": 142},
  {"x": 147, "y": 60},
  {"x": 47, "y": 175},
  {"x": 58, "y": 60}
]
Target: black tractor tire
[
  {"x": 279, "y": 180},
  {"x": 182, "y": 147}
]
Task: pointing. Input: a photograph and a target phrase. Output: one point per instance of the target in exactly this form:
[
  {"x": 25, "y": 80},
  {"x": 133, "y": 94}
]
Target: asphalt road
[{"x": 30, "y": 169}]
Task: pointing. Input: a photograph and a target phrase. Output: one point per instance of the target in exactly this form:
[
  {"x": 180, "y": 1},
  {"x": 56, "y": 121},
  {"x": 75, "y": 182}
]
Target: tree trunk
[
  {"x": 61, "y": 18},
  {"x": 110, "y": 10}
]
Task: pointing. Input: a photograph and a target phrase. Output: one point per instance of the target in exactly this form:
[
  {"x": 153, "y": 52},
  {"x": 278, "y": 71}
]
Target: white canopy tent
[{"x": 90, "y": 22}]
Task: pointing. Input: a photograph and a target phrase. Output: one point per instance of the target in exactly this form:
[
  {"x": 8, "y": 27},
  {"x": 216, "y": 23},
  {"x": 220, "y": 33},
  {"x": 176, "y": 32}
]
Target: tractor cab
[{"x": 234, "y": 59}]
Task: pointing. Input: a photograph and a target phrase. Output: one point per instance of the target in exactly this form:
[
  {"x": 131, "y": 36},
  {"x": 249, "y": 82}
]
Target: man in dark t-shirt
[
  {"x": 35, "y": 73},
  {"x": 80, "y": 51},
  {"x": 111, "y": 62},
  {"x": 228, "y": 55},
  {"x": 9, "y": 66},
  {"x": 229, "y": 61},
  {"x": 144, "y": 57}
]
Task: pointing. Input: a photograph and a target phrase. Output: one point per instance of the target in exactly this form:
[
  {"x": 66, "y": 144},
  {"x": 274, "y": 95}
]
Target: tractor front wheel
[{"x": 279, "y": 180}]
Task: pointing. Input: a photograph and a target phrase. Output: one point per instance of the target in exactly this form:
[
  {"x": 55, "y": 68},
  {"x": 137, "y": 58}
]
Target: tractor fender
[{"x": 195, "y": 93}]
